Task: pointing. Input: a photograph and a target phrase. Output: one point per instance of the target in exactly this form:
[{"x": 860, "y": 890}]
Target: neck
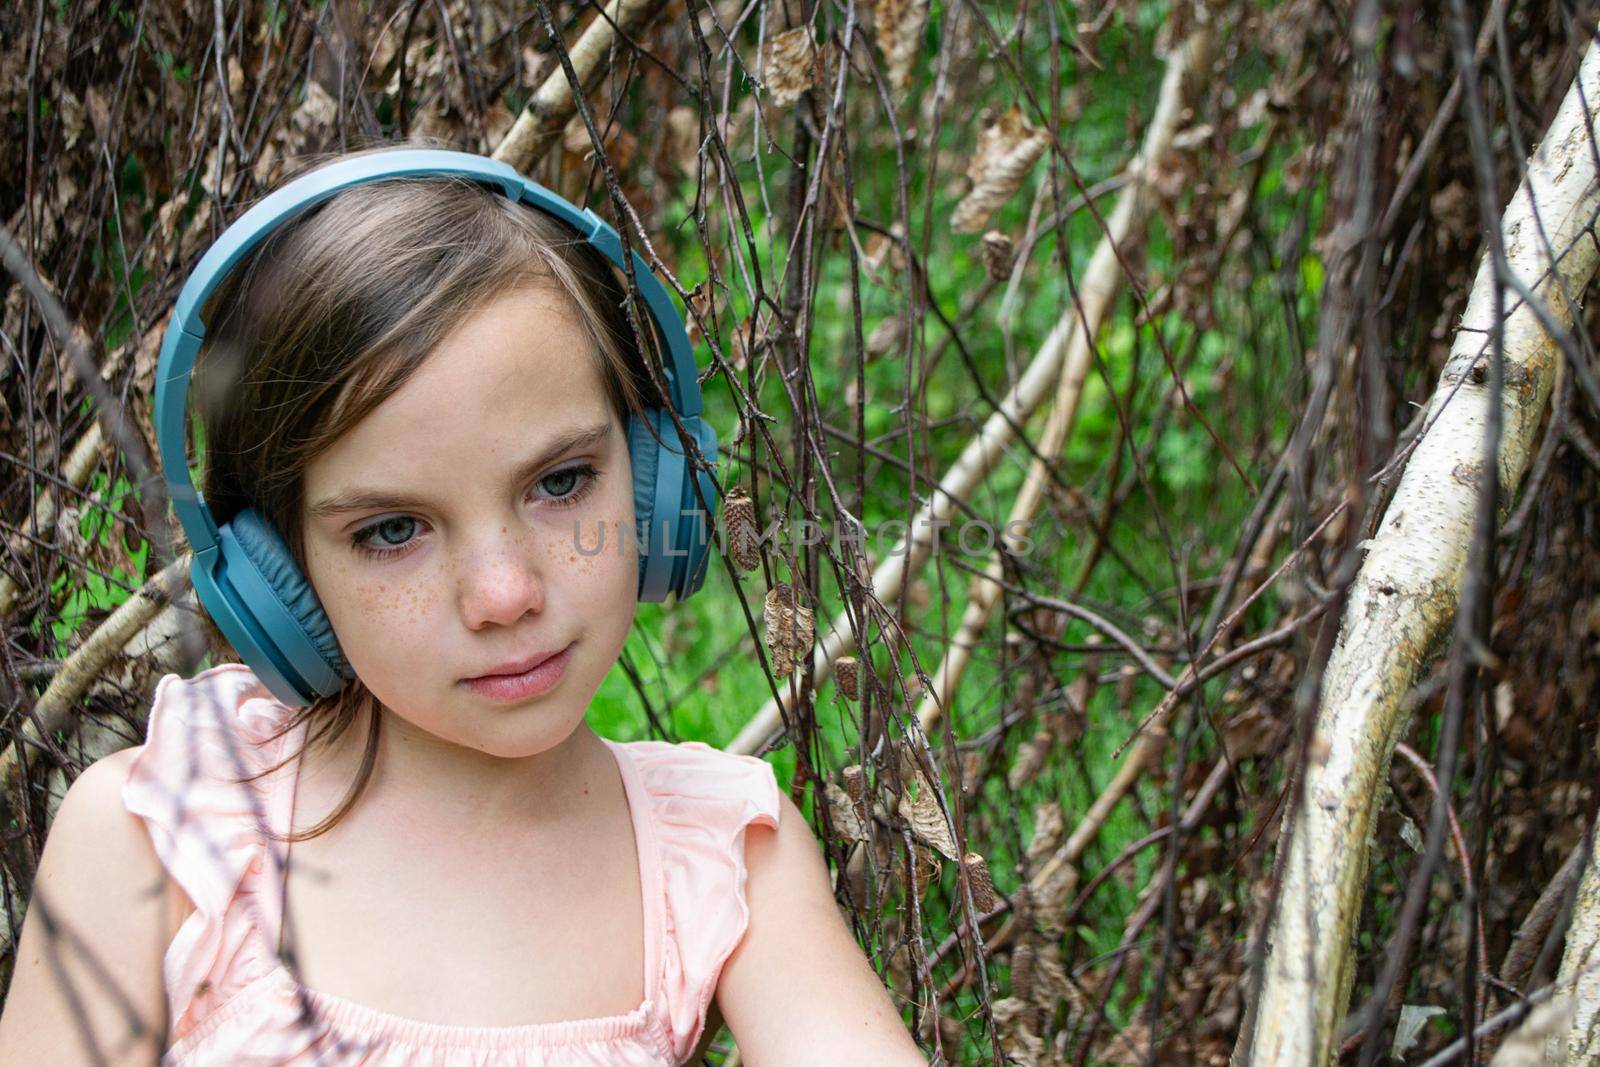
[{"x": 423, "y": 781}]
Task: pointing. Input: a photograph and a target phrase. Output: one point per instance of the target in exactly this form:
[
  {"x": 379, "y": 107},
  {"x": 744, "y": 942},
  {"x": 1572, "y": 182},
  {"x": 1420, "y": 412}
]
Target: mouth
[
  {"x": 515, "y": 683},
  {"x": 519, "y": 667}
]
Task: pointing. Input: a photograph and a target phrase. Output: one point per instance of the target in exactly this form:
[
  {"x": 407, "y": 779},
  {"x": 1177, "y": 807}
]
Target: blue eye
[
  {"x": 391, "y": 532},
  {"x": 585, "y": 474},
  {"x": 394, "y": 535}
]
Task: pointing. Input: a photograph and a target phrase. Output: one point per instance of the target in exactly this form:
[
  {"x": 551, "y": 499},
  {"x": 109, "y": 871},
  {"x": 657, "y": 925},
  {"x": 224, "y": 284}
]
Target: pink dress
[{"x": 233, "y": 1002}]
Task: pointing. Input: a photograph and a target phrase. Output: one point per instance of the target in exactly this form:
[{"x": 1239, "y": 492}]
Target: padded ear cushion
[
  {"x": 271, "y": 558},
  {"x": 703, "y": 515},
  {"x": 645, "y": 454}
]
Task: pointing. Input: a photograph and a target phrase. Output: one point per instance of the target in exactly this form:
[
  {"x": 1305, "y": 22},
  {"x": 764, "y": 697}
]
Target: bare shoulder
[
  {"x": 100, "y": 915},
  {"x": 797, "y": 950}
]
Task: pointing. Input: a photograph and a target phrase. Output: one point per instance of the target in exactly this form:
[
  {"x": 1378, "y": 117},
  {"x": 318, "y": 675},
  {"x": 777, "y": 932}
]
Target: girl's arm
[
  {"x": 96, "y": 975},
  {"x": 798, "y": 989}
]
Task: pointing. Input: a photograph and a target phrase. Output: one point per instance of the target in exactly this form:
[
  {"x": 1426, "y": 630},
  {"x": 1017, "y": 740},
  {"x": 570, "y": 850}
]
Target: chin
[{"x": 513, "y": 730}]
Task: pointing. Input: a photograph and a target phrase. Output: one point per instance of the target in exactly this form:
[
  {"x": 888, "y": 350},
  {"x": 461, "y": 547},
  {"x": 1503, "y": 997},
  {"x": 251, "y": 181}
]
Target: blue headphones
[{"x": 242, "y": 570}]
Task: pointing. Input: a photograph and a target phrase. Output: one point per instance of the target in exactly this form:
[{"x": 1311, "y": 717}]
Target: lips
[{"x": 521, "y": 666}]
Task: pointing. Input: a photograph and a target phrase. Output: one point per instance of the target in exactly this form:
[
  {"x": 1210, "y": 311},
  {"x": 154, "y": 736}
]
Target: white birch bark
[
  {"x": 1407, "y": 590},
  {"x": 1580, "y": 967}
]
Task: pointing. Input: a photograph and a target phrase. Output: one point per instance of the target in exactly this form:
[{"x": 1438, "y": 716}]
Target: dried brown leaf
[
  {"x": 999, "y": 255},
  {"x": 927, "y": 819},
  {"x": 790, "y": 629},
  {"x": 925, "y": 868},
  {"x": 1007, "y": 149},
  {"x": 1049, "y": 828},
  {"x": 848, "y": 824},
  {"x": 898, "y": 28},
  {"x": 789, "y": 65}
]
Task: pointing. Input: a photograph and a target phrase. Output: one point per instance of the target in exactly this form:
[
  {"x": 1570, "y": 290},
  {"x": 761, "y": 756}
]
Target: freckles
[
  {"x": 371, "y": 596},
  {"x": 420, "y": 605},
  {"x": 400, "y": 605},
  {"x": 575, "y": 563}
]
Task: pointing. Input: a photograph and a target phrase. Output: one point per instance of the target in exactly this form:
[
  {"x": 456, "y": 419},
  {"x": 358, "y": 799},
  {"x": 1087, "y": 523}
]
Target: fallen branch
[
  {"x": 1404, "y": 597},
  {"x": 54, "y": 707},
  {"x": 548, "y": 111}
]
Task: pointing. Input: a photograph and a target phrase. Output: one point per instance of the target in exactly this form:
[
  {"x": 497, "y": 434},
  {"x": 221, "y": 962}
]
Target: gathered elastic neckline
[
  {"x": 355, "y": 1022},
  {"x": 359, "y": 1022}
]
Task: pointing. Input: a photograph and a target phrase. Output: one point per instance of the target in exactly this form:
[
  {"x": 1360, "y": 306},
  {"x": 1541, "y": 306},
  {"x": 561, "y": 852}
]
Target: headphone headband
[
  {"x": 186, "y": 330},
  {"x": 243, "y": 571}
]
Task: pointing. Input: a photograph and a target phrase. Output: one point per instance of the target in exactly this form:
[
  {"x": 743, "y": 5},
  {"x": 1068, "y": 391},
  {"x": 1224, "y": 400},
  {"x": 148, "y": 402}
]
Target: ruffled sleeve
[
  {"x": 703, "y": 799},
  {"x": 204, "y": 733}
]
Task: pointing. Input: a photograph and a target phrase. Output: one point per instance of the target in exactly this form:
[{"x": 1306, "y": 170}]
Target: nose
[{"x": 498, "y": 582}]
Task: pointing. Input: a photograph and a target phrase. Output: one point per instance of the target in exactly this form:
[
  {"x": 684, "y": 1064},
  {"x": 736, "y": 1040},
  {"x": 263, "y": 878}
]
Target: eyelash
[{"x": 590, "y": 475}]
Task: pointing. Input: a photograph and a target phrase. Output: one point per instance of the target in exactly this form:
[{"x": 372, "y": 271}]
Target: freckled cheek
[
  {"x": 391, "y": 604},
  {"x": 600, "y": 551}
]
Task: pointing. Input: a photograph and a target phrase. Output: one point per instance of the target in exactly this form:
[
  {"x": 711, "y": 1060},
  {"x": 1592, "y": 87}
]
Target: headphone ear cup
[
  {"x": 674, "y": 530},
  {"x": 695, "y": 533},
  {"x": 644, "y": 456},
  {"x": 309, "y": 635}
]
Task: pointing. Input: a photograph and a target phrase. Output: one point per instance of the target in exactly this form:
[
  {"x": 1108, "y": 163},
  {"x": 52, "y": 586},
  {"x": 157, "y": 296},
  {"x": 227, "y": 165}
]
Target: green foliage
[{"x": 94, "y": 594}]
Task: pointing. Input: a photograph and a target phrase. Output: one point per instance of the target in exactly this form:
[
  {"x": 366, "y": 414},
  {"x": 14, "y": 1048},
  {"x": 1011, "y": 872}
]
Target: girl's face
[{"x": 453, "y": 530}]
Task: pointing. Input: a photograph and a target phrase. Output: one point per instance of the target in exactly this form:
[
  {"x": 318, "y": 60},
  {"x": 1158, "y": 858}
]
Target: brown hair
[{"x": 333, "y": 312}]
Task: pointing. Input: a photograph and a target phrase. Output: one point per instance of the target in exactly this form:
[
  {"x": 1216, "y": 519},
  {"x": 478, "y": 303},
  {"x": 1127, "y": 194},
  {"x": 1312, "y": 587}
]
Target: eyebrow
[{"x": 382, "y": 499}]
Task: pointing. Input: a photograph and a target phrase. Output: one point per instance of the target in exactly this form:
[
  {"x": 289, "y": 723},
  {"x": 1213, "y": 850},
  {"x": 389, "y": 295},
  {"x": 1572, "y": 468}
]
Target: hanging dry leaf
[
  {"x": 927, "y": 820},
  {"x": 789, "y": 65},
  {"x": 73, "y": 546},
  {"x": 99, "y": 111},
  {"x": 1129, "y": 1047},
  {"x": 789, "y": 629},
  {"x": 898, "y": 27},
  {"x": 1049, "y": 827},
  {"x": 880, "y": 250},
  {"x": 318, "y": 111},
  {"x": 847, "y": 822},
  {"x": 683, "y": 138},
  {"x": 744, "y": 538},
  {"x": 855, "y": 784},
  {"x": 885, "y": 337},
  {"x": 1409, "y": 1027},
  {"x": 1006, "y": 151},
  {"x": 497, "y": 121},
  {"x": 72, "y": 117}
]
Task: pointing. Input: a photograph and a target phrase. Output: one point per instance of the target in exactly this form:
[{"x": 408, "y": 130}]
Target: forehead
[{"x": 508, "y": 377}]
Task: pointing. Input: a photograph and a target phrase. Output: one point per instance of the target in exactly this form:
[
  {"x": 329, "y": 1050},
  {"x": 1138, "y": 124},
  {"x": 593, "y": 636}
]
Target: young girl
[{"x": 424, "y": 387}]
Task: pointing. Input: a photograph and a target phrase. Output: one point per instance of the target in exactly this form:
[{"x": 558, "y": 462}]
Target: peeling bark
[
  {"x": 1405, "y": 596},
  {"x": 1580, "y": 966}
]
